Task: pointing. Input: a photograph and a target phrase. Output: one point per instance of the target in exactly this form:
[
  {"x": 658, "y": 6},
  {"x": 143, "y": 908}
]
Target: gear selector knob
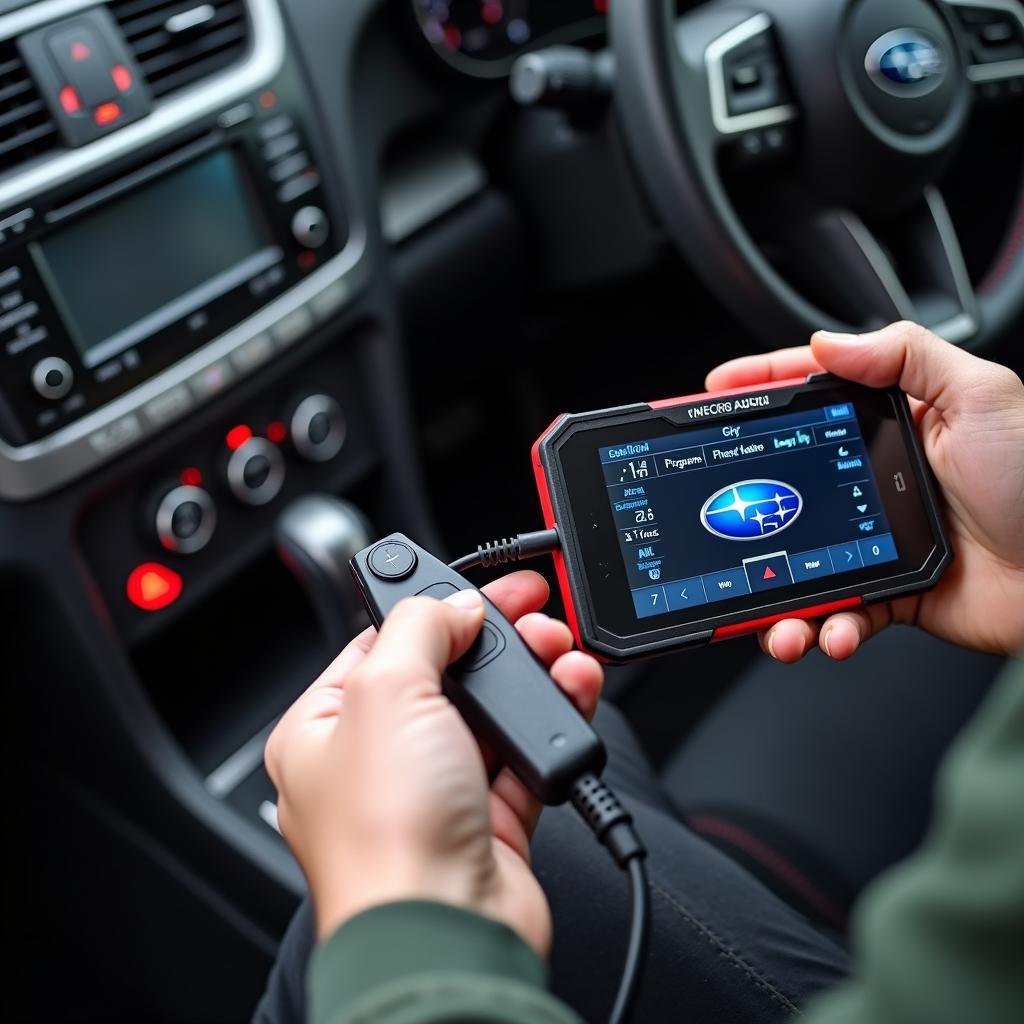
[{"x": 316, "y": 536}]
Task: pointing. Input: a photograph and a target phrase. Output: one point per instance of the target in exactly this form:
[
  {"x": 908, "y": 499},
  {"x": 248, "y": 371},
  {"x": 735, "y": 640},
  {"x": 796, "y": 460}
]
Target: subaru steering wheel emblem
[
  {"x": 751, "y": 509},
  {"x": 906, "y": 63}
]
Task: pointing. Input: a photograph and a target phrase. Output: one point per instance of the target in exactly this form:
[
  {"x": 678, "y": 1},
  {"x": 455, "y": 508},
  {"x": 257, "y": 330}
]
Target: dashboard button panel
[
  {"x": 185, "y": 519},
  {"x": 256, "y": 471}
]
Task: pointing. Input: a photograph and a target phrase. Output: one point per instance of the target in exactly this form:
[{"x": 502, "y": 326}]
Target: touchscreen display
[
  {"x": 722, "y": 512},
  {"x": 154, "y": 256}
]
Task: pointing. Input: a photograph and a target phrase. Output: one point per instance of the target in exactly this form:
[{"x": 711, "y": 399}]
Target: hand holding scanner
[
  {"x": 506, "y": 696},
  {"x": 696, "y": 519}
]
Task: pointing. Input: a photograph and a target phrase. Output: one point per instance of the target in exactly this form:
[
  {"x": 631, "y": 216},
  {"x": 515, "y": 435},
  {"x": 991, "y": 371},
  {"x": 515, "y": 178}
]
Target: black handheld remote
[{"x": 503, "y": 692}]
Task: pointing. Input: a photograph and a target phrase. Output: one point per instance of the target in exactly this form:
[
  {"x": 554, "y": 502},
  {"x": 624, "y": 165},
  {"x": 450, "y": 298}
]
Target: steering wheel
[{"x": 863, "y": 102}]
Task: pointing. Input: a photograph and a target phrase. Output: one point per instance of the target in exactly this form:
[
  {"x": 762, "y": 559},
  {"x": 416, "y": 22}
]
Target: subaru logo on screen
[
  {"x": 751, "y": 509},
  {"x": 906, "y": 63}
]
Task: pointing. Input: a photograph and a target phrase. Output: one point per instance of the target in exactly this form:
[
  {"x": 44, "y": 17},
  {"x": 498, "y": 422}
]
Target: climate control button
[
  {"x": 256, "y": 471},
  {"x": 185, "y": 519},
  {"x": 52, "y": 377},
  {"x": 317, "y": 428},
  {"x": 310, "y": 227}
]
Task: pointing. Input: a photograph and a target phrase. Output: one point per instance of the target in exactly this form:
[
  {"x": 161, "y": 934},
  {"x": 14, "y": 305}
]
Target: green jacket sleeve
[
  {"x": 940, "y": 939},
  {"x": 428, "y": 963}
]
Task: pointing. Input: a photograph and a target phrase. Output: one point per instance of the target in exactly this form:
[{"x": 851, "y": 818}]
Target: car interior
[{"x": 280, "y": 277}]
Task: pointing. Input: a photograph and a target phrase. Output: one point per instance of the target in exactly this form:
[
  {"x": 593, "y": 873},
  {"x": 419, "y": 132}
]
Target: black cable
[
  {"x": 599, "y": 807},
  {"x": 506, "y": 550},
  {"x": 612, "y": 824}
]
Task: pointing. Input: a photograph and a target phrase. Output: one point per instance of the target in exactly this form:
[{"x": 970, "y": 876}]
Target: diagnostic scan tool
[{"x": 697, "y": 519}]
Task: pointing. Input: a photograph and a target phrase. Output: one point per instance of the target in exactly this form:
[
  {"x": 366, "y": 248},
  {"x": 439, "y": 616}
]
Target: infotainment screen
[
  {"x": 156, "y": 255},
  {"x": 714, "y": 514}
]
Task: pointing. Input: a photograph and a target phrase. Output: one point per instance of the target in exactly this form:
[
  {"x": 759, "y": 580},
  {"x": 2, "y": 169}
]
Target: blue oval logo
[
  {"x": 906, "y": 63},
  {"x": 751, "y": 509}
]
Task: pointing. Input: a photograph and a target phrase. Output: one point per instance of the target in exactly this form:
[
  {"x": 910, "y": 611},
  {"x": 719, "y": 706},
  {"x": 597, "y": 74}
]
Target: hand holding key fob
[{"x": 503, "y": 692}]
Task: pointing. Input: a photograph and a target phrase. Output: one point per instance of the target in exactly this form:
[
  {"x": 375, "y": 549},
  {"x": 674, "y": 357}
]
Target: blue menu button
[
  {"x": 650, "y": 601},
  {"x": 685, "y": 594},
  {"x": 809, "y": 565},
  {"x": 846, "y": 557},
  {"x": 838, "y": 412},
  {"x": 878, "y": 549},
  {"x": 722, "y": 585}
]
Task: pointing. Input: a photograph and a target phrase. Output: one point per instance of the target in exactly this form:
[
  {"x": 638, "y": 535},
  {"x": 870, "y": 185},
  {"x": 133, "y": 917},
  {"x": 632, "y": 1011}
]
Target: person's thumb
[
  {"x": 921, "y": 363},
  {"x": 419, "y": 640}
]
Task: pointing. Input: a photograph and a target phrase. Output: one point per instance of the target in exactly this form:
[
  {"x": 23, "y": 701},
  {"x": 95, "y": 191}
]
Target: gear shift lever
[{"x": 316, "y": 536}]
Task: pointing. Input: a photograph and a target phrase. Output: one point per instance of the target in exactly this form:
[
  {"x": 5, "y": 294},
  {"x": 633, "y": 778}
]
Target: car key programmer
[{"x": 697, "y": 519}]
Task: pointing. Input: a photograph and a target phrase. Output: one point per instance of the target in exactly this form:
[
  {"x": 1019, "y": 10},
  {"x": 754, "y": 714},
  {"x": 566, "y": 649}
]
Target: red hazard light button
[{"x": 152, "y": 586}]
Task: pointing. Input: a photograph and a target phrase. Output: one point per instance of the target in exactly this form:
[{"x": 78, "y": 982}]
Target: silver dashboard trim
[
  {"x": 1002, "y": 69},
  {"x": 31, "y": 470},
  {"x": 265, "y": 59},
  {"x": 714, "y": 60}
]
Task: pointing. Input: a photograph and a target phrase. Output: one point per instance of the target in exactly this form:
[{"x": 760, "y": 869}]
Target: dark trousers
[{"x": 803, "y": 784}]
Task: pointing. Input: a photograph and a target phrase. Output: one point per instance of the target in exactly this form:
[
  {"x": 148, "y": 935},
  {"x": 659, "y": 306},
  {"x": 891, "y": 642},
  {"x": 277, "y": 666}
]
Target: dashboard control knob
[
  {"x": 256, "y": 471},
  {"x": 310, "y": 227},
  {"x": 52, "y": 377},
  {"x": 317, "y": 428},
  {"x": 185, "y": 519}
]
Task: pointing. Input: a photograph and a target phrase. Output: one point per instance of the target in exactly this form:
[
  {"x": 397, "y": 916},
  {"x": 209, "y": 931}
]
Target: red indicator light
[
  {"x": 452, "y": 36},
  {"x": 307, "y": 259},
  {"x": 106, "y": 113},
  {"x": 79, "y": 51},
  {"x": 152, "y": 586},
  {"x": 276, "y": 431},
  {"x": 191, "y": 477},
  {"x": 122, "y": 77},
  {"x": 237, "y": 436},
  {"x": 492, "y": 12},
  {"x": 268, "y": 100},
  {"x": 69, "y": 100},
  {"x": 601, "y": 6}
]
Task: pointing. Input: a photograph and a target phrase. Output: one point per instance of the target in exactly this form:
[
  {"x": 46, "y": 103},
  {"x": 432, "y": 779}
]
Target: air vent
[
  {"x": 176, "y": 44},
  {"x": 26, "y": 129}
]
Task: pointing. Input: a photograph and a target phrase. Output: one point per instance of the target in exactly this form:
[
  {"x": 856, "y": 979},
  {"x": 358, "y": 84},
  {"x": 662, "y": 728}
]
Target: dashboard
[{"x": 483, "y": 37}]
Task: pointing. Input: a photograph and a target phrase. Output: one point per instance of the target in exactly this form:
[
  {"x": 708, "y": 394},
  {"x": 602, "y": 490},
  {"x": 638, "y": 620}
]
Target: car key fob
[{"x": 503, "y": 692}]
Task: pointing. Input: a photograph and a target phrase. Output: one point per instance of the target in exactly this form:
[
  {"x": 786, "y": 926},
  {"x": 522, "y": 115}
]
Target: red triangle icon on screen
[{"x": 768, "y": 574}]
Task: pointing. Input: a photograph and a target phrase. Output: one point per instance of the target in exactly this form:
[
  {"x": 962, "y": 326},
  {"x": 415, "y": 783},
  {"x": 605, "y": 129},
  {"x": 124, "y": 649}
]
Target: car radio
[
  {"x": 102, "y": 287},
  {"x": 697, "y": 519}
]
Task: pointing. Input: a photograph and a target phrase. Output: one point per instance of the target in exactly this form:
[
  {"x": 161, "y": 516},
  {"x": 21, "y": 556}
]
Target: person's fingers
[
  {"x": 515, "y": 812},
  {"x": 843, "y": 633},
  {"x": 419, "y": 639},
  {"x": 518, "y": 593},
  {"x": 548, "y": 638},
  {"x": 580, "y": 677},
  {"x": 839, "y": 636},
  {"x": 789, "y": 640},
  {"x": 921, "y": 363},
  {"x": 762, "y": 368}
]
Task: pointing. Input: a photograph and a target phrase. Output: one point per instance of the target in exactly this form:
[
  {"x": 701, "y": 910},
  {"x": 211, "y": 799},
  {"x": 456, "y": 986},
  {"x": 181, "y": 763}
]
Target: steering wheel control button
[
  {"x": 256, "y": 472},
  {"x": 317, "y": 428},
  {"x": 391, "y": 560},
  {"x": 152, "y": 586},
  {"x": 185, "y": 520},
  {"x": 52, "y": 378},
  {"x": 310, "y": 227}
]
